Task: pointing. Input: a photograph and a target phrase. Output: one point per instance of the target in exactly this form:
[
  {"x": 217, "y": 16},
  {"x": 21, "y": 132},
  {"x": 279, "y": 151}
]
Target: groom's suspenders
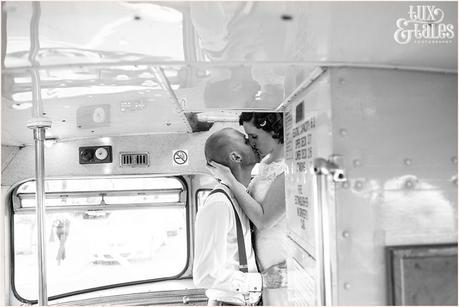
[{"x": 240, "y": 235}]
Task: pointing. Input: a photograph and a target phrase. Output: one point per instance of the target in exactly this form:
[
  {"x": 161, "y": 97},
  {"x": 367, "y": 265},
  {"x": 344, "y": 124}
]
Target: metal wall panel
[
  {"x": 61, "y": 160},
  {"x": 395, "y": 134}
]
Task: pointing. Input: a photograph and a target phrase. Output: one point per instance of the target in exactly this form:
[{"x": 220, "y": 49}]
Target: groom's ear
[{"x": 235, "y": 157}]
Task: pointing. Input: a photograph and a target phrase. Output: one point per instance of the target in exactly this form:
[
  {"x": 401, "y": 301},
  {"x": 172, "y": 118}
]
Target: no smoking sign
[{"x": 180, "y": 157}]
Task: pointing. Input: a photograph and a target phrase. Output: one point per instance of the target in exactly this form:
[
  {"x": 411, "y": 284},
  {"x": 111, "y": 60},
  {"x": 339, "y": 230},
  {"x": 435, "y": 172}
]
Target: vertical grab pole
[
  {"x": 322, "y": 170},
  {"x": 323, "y": 288},
  {"x": 39, "y": 124},
  {"x": 39, "y": 137}
]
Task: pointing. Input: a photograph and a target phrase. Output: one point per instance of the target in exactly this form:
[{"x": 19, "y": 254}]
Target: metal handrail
[
  {"x": 110, "y": 207},
  {"x": 324, "y": 171},
  {"x": 57, "y": 194}
]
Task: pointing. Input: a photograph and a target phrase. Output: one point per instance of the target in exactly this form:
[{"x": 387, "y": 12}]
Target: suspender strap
[{"x": 243, "y": 267}]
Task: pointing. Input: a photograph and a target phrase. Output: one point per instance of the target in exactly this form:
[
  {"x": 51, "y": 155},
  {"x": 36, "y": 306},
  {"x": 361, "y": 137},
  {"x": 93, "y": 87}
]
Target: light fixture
[{"x": 223, "y": 116}]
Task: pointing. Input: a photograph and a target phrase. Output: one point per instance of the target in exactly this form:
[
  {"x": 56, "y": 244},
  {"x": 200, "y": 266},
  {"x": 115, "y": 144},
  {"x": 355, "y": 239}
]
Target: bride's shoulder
[{"x": 273, "y": 169}]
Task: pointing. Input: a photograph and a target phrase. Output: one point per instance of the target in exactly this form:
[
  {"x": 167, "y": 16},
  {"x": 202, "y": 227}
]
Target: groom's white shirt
[{"x": 216, "y": 261}]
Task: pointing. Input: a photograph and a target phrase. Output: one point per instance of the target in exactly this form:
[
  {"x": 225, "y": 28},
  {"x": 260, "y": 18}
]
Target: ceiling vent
[{"x": 134, "y": 159}]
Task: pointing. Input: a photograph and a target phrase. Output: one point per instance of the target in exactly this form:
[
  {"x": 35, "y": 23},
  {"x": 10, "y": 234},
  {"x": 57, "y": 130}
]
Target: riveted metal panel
[{"x": 397, "y": 134}]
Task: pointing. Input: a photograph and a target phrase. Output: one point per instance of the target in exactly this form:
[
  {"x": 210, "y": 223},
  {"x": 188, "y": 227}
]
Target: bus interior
[{"x": 106, "y": 107}]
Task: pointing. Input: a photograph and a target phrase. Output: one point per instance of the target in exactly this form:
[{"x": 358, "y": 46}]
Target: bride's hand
[
  {"x": 221, "y": 172},
  {"x": 275, "y": 276}
]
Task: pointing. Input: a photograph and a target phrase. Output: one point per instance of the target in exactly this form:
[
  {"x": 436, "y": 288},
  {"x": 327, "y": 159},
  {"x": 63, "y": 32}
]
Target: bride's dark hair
[{"x": 269, "y": 122}]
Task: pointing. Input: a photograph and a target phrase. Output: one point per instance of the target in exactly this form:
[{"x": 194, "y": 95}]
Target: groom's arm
[{"x": 211, "y": 268}]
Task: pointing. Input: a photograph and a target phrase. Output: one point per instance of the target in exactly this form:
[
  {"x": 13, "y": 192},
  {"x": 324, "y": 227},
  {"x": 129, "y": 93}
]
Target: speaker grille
[{"x": 134, "y": 159}]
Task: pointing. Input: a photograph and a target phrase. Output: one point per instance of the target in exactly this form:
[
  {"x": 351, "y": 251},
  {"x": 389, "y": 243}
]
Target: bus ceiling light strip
[
  {"x": 316, "y": 73},
  {"x": 225, "y": 64},
  {"x": 222, "y": 116}
]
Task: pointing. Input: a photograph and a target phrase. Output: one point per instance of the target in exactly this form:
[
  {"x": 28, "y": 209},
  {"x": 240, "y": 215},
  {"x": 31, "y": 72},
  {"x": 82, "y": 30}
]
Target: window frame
[{"x": 12, "y": 203}]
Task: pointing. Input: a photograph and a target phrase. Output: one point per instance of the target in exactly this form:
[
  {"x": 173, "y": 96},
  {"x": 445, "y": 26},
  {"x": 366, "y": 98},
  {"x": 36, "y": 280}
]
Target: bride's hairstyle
[{"x": 269, "y": 122}]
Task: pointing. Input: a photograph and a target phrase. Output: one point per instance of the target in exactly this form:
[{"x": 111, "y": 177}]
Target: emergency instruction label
[
  {"x": 301, "y": 213},
  {"x": 309, "y": 137}
]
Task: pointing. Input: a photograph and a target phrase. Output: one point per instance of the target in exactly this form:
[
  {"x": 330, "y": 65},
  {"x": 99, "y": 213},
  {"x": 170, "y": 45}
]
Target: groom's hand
[{"x": 275, "y": 276}]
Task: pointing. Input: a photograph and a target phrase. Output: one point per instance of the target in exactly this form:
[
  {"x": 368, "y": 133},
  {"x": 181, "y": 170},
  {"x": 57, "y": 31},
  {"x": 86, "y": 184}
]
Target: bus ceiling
[{"x": 177, "y": 67}]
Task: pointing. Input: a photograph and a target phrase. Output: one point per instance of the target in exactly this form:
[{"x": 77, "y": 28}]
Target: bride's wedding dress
[{"x": 270, "y": 242}]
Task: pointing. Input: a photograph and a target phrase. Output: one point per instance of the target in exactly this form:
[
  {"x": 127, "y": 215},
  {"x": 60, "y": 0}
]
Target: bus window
[{"x": 100, "y": 232}]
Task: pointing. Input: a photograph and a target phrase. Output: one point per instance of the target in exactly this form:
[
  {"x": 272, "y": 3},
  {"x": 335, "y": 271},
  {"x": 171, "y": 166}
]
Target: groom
[{"x": 224, "y": 260}]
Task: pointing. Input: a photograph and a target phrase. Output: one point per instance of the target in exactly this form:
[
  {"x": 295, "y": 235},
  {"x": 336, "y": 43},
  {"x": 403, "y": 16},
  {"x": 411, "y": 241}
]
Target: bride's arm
[
  {"x": 266, "y": 213},
  {"x": 261, "y": 214}
]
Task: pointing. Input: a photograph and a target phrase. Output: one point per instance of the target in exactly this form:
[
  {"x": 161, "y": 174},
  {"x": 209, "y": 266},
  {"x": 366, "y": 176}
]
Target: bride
[{"x": 264, "y": 200}]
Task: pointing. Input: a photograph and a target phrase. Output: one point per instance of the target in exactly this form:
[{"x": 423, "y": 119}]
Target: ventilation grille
[{"x": 134, "y": 159}]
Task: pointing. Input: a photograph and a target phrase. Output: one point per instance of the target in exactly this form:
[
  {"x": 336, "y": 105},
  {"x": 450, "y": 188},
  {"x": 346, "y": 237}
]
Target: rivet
[
  {"x": 409, "y": 184},
  {"x": 347, "y": 286},
  {"x": 454, "y": 180},
  {"x": 345, "y": 185},
  {"x": 407, "y": 161},
  {"x": 343, "y": 132},
  {"x": 345, "y": 234},
  {"x": 454, "y": 160},
  {"x": 358, "y": 185},
  {"x": 341, "y": 81},
  {"x": 356, "y": 162}
]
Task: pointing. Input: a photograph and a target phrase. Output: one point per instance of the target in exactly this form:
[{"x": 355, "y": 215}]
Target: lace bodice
[{"x": 267, "y": 173}]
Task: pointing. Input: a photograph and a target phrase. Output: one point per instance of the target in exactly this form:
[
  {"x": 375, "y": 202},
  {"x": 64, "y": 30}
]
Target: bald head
[
  {"x": 224, "y": 145},
  {"x": 230, "y": 148},
  {"x": 220, "y": 144}
]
